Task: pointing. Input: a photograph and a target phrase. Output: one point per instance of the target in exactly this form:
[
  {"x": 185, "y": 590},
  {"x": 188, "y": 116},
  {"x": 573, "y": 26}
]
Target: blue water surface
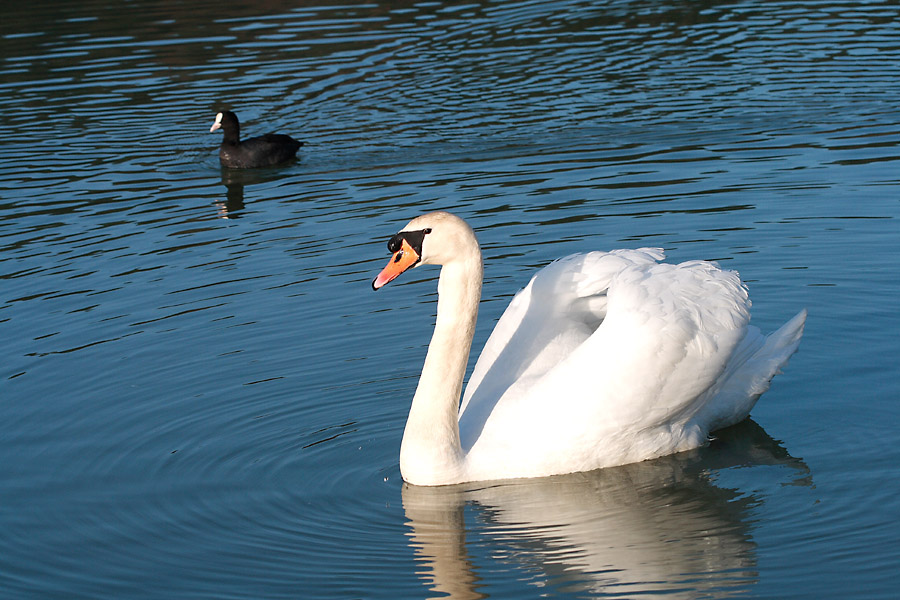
[{"x": 201, "y": 397}]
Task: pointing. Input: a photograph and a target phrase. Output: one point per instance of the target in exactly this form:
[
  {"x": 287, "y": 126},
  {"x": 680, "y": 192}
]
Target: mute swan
[{"x": 603, "y": 359}]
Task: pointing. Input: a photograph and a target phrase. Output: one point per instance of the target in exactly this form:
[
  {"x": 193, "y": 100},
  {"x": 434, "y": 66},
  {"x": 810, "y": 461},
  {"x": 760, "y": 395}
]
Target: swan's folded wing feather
[
  {"x": 668, "y": 336},
  {"x": 628, "y": 390},
  {"x": 554, "y": 314}
]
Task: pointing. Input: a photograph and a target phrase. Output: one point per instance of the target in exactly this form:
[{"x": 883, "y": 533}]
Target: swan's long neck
[{"x": 431, "y": 453}]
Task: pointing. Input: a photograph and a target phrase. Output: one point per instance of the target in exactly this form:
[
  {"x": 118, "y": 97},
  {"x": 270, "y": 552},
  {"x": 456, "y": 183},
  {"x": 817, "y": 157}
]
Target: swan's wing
[
  {"x": 685, "y": 356},
  {"x": 625, "y": 390},
  {"x": 669, "y": 334},
  {"x": 554, "y": 314}
]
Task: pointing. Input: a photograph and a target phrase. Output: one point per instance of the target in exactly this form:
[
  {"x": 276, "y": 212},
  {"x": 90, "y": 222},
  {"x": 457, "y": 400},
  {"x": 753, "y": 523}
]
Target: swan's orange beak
[{"x": 403, "y": 259}]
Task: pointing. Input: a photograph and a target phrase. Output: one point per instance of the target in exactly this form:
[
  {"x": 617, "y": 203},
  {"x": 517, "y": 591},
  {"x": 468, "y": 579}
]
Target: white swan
[{"x": 603, "y": 359}]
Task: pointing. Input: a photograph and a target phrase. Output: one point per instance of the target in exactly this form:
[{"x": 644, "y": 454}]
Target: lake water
[{"x": 201, "y": 397}]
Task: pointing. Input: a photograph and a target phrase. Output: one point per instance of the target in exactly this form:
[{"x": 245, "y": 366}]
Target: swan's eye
[{"x": 398, "y": 256}]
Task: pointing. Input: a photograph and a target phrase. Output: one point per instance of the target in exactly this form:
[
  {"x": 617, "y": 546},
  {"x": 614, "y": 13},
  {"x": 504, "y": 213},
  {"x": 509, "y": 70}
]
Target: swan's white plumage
[{"x": 602, "y": 359}]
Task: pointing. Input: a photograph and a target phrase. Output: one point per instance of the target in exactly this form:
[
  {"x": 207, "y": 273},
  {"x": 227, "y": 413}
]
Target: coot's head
[{"x": 227, "y": 121}]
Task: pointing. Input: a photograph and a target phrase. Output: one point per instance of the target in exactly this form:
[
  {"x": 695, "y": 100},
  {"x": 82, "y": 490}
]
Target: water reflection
[
  {"x": 661, "y": 526},
  {"x": 235, "y": 181}
]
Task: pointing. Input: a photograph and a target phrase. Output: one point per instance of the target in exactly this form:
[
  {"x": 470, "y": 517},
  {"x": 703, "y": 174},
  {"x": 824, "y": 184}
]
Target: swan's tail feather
[
  {"x": 775, "y": 353},
  {"x": 755, "y": 363},
  {"x": 782, "y": 344}
]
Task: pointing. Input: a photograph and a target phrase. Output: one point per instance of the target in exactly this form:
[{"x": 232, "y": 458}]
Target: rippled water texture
[{"x": 200, "y": 396}]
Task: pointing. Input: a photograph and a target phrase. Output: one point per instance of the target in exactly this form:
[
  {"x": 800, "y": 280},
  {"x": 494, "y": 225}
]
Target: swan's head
[{"x": 436, "y": 238}]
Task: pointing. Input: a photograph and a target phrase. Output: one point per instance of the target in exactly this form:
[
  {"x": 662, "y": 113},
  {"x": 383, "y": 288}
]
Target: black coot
[{"x": 263, "y": 151}]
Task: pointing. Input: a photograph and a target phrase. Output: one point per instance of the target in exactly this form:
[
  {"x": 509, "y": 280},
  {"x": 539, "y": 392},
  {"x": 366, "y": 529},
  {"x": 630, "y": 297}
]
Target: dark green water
[{"x": 200, "y": 396}]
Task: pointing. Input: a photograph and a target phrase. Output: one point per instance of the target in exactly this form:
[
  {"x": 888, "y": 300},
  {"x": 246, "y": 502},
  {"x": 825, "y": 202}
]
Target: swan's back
[{"x": 611, "y": 357}]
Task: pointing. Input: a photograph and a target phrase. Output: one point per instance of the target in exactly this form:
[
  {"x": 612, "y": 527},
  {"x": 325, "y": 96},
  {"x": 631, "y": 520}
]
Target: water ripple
[{"x": 201, "y": 396}]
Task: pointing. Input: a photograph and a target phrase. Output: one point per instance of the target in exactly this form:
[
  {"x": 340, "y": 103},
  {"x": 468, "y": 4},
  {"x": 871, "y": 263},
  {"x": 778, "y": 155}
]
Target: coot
[{"x": 263, "y": 151}]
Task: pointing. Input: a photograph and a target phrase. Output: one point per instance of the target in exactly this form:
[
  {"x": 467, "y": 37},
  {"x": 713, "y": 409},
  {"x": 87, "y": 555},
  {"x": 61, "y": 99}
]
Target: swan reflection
[{"x": 656, "y": 527}]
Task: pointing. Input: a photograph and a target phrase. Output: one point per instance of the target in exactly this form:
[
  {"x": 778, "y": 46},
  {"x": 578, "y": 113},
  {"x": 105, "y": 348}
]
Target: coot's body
[{"x": 263, "y": 151}]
